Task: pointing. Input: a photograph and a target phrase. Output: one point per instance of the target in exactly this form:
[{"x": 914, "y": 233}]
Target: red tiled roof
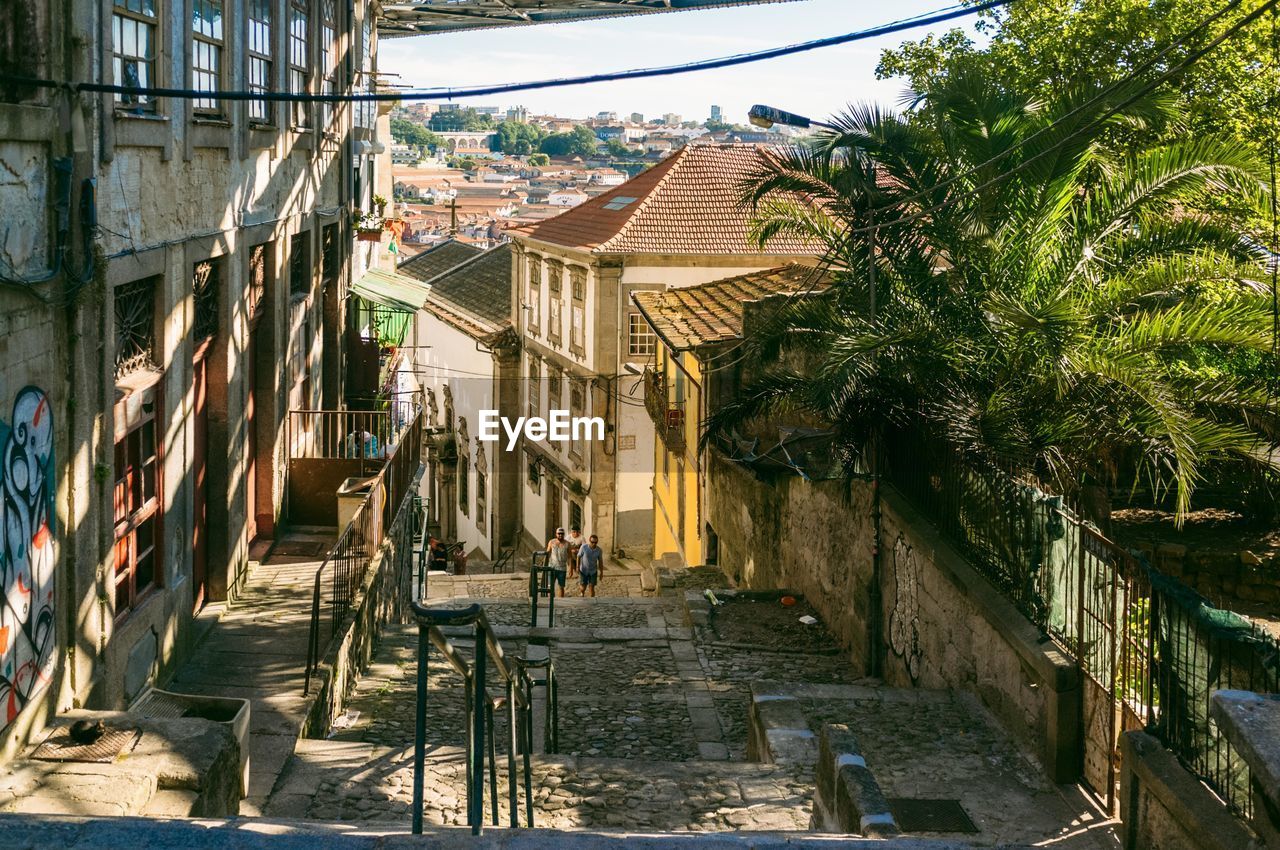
[
  {"x": 687, "y": 204},
  {"x": 691, "y": 316}
]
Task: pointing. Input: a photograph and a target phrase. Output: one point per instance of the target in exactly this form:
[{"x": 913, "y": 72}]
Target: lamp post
[{"x": 764, "y": 116}]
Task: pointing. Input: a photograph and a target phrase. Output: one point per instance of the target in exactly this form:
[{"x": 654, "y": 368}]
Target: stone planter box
[
  {"x": 229, "y": 711},
  {"x": 369, "y": 235}
]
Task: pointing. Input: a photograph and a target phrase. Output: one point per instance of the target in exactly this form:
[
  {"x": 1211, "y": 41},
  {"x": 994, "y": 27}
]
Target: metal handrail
[
  {"x": 541, "y": 583},
  {"x": 480, "y": 708}
]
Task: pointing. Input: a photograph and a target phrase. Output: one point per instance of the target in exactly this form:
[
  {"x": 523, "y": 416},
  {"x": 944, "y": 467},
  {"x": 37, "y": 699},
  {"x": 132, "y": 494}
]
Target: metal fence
[
  {"x": 365, "y": 434},
  {"x": 1152, "y": 650},
  {"x": 385, "y": 514}
]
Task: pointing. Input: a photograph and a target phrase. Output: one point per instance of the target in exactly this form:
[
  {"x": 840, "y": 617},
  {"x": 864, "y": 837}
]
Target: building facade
[
  {"x": 172, "y": 273},
  {"x": 585, "y": 345}
]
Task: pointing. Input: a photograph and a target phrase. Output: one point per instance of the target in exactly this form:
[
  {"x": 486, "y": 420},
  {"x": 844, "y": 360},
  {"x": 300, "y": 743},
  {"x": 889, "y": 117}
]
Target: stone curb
[
  {"x": 848, "y": 797},
  {"x": 777, "y": 731}
]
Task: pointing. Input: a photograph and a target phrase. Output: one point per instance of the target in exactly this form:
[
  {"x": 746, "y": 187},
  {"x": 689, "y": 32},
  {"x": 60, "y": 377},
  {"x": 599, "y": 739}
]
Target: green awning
[{"x": 392, "y": 290}]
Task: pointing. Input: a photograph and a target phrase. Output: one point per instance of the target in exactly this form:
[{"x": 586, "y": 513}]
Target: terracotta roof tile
[
  {"x": 691, "y": 316},
  {"x": 686, "y": 204}
]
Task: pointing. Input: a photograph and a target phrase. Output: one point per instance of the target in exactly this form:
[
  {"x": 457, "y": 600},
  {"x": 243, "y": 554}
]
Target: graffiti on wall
[
  {"x": 904, "y": 620},
  {"x": 26, "y": 552}
]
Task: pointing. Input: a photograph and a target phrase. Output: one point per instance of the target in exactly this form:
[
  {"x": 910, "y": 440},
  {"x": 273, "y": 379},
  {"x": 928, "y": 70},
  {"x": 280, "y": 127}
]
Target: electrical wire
[
  {"x": 1144, "y": 89},
  {"x": 946, "y": 14}
]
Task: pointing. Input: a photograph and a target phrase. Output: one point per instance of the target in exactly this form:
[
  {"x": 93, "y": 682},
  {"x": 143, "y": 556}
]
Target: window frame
[
  {"x": 264, "y": 60},
  {"x": 145, "y": 356},
  {"x": 120, "y": 9},
  {"x": 534, "y": 318},
  {"x": 328, "y": 48},
  {"x": 578, "y": 310},
  {"x": 642, "y": 342},
  {"x": 535, "y": 386},
  {"x": 299, "y": 112},
  {"x": 206, "y": 289},
  {"x": 218, "y": 47},
  {"x": 301, "y": 238},
  {"x": 127, "y": 523}
]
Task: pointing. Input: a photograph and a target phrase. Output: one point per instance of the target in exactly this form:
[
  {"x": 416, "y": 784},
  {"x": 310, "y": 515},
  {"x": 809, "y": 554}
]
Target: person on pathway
[
  {"x": 590, "y": 566},
  {"x": 558, "y": 558},
  {"x": 576, "y": 542}
]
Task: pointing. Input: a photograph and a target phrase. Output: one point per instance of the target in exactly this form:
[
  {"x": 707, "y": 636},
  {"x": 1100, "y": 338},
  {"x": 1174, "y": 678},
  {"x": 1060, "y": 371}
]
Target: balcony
[{"x": 668, "y": 415}]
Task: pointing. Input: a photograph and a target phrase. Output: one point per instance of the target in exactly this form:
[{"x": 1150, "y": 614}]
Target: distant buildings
[
  {"x": 671, "y": 119},
  {"x": 518, "y": 113},
  {"x": 717, "y": 115},
  {"x": 606, "y": 116},
  {"x": 637, "y": 117}
]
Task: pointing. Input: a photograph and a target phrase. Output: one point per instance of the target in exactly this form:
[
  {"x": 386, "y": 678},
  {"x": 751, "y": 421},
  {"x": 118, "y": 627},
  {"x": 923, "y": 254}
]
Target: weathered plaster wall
[{"x": 941, "y": 624}]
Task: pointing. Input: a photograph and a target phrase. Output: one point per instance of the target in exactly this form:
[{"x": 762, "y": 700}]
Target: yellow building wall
[{"x": 669, "y": 533}]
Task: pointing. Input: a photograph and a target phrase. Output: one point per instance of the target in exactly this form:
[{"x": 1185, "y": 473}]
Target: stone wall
[
  {"x": 1231, "y": 579},
  {"x": 940, "y": 624}
]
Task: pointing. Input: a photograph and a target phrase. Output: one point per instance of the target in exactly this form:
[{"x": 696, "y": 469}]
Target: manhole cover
[
  {"x": 930, "y": 815},
  {"x": 59, "y": 746}
]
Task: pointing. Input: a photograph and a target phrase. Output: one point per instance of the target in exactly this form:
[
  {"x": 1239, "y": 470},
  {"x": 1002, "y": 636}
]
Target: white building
[{"x": 570, "y": 197}]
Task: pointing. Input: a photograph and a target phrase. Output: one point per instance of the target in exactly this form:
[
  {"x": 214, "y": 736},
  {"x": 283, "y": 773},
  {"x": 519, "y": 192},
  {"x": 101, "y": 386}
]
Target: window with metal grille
[
  {"x": 206, "y": 53},
  {"x": 464, "y": 480},
  {"x": 137, "y": 513},
  {"x": 260, "y": 21},
  {"x": 367, "y": 108},
  {"x": 641, "y": 341},
  {"x": 259, "y": 263},
  {"x": 330, "y": 253},
  {"x": 206, "y": 283},
  {"x": 135, "y": 308},
  {"x": 300, "y": 263},
  {"x": 328, "y": 54},
  {"x": 300, "y": 57},
  {"x": 575, "y": 515},
  {"x": 135, "y": 49}
]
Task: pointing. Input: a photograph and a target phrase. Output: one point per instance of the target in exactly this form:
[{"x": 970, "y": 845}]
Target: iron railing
[
  {"x": 480, "y": 707},
  {"x": 386, "y": 511},
  {"x": 1152, "y": 650},
  {"x": 541, "y": 583},
  {"x": 667, "y": 413}
]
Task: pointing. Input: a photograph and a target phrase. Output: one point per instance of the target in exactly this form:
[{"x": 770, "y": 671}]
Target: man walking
[
  {"x": 558, "y": 559},
  {"x": 590, "y": 566},
  {"x": 576, "y": 542}
]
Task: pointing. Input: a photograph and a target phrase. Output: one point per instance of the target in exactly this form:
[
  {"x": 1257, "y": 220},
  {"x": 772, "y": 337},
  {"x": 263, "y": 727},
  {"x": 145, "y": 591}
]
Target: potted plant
[
  {"x": 369, "y": 227},
  {"x": 381, "y": 203}
]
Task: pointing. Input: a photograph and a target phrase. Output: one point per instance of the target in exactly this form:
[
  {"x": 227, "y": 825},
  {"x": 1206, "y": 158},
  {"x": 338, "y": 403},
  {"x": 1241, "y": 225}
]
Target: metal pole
[
  {"x": 493, "y": 762},
  {"x": 513, "y": 801},
  {"x": 476, "y": 796},
  {"x": 526, "y": 750},
  {"x": 420, "y": 731}
]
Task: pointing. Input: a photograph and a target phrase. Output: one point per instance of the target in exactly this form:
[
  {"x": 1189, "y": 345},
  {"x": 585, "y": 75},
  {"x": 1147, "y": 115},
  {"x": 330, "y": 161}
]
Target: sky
[{"x": 816, "y": 83}]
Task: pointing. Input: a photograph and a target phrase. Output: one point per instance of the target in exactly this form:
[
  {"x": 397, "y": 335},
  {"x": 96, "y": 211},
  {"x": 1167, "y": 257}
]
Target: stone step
[{"x": 360, "y": 782}]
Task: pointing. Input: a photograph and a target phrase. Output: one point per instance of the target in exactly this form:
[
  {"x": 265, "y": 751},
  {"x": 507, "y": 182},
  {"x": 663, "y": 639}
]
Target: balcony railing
[{"x": 668, "y": 416}]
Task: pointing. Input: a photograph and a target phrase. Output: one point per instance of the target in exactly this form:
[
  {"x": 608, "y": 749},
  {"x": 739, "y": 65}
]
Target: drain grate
[
  {"x": 931, "y": 815},
  {"x": 59, "y": 746}
]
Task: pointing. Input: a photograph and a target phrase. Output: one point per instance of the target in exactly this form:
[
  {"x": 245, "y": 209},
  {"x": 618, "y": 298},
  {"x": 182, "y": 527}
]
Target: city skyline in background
[{"x": 818, "y": 83}]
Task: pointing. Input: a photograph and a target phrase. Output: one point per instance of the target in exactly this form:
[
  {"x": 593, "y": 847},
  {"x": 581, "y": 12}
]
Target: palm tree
[{"x": 1048, "y": 292}]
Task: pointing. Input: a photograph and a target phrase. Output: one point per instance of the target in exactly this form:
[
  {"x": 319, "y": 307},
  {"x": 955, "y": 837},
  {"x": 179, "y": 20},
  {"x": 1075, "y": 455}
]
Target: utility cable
[{"x": 946, "y": 14}]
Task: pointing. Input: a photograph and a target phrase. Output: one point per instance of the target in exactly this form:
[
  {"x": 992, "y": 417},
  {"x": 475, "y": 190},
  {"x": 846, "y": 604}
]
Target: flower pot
[{"x": 363, "y": 235}]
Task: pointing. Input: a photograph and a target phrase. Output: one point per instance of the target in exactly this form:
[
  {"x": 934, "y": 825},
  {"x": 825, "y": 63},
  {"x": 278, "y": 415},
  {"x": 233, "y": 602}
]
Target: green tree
[
  {"x": 516, "y": 137},
  {"x": 581, "y": 142},
  {"x": 1059, "y": 311},
  {"x": 1044, "y": 46},
  {"x": 538, "y": 160},
  {"x": 410, "y": 133},
  {"x": 461, "y": 120}
]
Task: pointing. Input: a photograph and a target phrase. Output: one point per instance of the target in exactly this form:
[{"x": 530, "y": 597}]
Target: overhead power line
[{"x": 948, "y": 13}]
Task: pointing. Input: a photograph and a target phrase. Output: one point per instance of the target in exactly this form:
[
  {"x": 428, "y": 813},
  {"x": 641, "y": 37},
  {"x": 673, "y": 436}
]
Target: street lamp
[{"x": 766, "y": 116}]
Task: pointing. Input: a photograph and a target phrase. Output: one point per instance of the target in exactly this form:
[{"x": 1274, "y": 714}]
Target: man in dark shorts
[
  {"x": 590, "y": 566},
  {"x": 558, "y": 558}
]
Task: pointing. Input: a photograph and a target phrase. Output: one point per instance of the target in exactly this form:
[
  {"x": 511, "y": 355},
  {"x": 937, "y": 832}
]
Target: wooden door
[{"x": 200, "y": 469}]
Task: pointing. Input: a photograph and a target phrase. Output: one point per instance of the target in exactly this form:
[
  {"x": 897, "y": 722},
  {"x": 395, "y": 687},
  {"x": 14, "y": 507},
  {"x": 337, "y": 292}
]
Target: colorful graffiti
[{"x": 26, "y": 553}]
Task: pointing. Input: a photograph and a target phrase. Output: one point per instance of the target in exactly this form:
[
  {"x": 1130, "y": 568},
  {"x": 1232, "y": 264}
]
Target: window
[
  {"x": 300, "y": 263},
  {"x": 135, "y": 46},
  {"x": 575, "y": 515},
  {"x": 206, "y": 53},
  {"x": 331, "y": 254},
  {"x": 482, "y": 486},
  {"x": 553, "y": 387},
  {"x": 534, "y": 476},
  {"x": 577, "y": 402},
  {"x": 258, "y": 265},
  {"x": 205, "y": 285},
  {"x": 577, "y": 320},
  {"x": 553, "y": 319},
  {"x": 464, "y": 479},
  {"x": 367, "y": 109},
  {"x": 137, "y": 513},
  {"x": 535, "y": 391},
  {"x": 641, "y": 341},
  {"x": 260, "y": 19},
  {"x": 619, "y": 203},
  {"x": 135, "y": 326},
  {"x": 299, "y": 57},
  {"x": 535, "y": 295},
  {"x": 328, "y": 55}
]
